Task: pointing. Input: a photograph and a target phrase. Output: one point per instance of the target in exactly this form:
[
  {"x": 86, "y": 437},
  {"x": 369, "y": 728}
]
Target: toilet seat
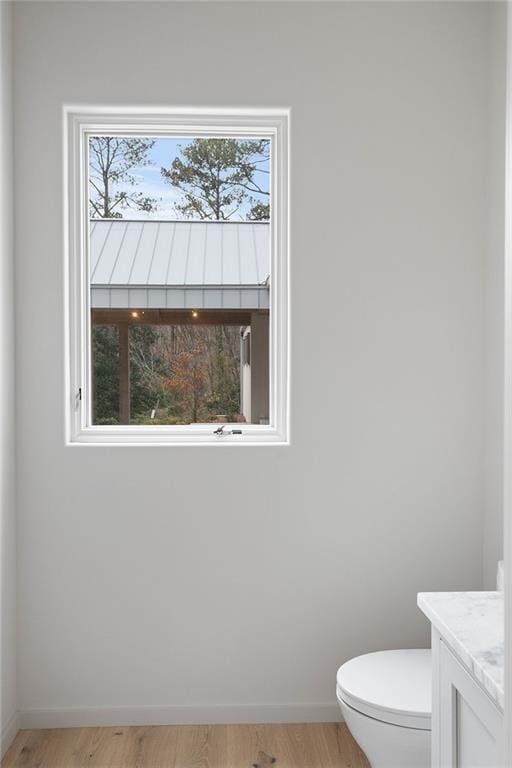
[{"x": 394, "y": 687}]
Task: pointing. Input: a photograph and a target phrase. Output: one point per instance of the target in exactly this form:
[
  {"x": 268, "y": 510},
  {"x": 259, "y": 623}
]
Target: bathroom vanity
[{"x": 468, "y": 677}]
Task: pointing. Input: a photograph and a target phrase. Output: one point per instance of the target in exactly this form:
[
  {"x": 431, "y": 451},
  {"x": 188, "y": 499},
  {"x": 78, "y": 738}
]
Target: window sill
[{"x": 173, "y": 436}]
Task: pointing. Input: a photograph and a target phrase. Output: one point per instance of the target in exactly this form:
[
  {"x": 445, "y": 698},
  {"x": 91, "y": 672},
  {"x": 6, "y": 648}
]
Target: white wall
[
  {"x": 494, "y": 303},
  {"x": 169, "y": 577},
  {"x": 8, "y": 704}
]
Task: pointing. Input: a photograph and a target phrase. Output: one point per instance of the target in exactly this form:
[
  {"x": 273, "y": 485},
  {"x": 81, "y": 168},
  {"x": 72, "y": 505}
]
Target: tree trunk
[{"x": 124, "y": 373}]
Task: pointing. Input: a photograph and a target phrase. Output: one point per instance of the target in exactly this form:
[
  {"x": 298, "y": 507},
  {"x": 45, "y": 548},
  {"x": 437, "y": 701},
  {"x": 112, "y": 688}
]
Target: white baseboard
[
  {"x": 8, "y": 733},
  {"x": 179, "y": 715}
]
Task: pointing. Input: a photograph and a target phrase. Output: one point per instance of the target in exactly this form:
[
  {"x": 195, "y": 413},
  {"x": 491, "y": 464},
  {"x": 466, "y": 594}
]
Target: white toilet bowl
[{"x": 386, "y": 701}]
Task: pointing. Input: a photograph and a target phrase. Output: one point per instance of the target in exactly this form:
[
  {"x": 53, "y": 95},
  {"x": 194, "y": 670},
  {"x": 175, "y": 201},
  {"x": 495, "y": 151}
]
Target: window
[{"x": 177, "y": 276}]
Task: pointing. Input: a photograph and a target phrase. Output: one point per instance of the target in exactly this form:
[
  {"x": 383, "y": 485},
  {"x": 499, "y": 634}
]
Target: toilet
[{"x": 386, "y": 702}]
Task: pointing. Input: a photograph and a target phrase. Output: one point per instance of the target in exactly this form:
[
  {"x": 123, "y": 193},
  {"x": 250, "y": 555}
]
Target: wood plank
[{"x": 313, "y": 745}]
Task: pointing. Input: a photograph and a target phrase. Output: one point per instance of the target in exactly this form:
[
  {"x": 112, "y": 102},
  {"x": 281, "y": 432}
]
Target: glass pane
[{"x": 179, "y": 279}]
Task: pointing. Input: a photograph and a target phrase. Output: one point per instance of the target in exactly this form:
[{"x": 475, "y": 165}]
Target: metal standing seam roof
[{"x": 179, "y": 264}]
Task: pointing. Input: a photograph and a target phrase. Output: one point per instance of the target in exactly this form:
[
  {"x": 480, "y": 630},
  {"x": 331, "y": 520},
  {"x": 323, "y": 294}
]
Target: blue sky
[{"x": 152, "y": 184}]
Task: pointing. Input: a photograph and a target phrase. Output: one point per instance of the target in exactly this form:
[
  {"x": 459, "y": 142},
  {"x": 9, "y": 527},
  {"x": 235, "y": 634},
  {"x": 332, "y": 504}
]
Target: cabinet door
[{"x": 469, "y": 723}]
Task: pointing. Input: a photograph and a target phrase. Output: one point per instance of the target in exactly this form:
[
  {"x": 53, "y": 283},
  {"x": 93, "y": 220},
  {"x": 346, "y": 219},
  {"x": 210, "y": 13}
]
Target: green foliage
[
  {"x": 216, "y": 176},
  {"x": 259, "y": 212},
  {"x": 111, "y": 160},
  {"x": 105, "y": 359}
]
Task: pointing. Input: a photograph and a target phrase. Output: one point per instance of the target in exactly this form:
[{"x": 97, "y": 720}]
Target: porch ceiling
[{"x": 171, "y": 317}]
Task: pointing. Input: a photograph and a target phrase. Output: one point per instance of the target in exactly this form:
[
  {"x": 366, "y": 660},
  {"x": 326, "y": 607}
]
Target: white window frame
[{"x": 78, "y": 123}]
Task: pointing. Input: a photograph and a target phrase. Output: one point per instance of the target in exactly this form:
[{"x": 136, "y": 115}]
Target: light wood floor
[{"x": 319, "y": 745}]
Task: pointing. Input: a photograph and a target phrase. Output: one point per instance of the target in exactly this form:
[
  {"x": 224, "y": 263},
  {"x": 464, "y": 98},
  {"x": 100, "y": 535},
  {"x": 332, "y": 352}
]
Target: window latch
[
  {"x": 78, "y": 398},
  {"x": 222, "y": 431}
]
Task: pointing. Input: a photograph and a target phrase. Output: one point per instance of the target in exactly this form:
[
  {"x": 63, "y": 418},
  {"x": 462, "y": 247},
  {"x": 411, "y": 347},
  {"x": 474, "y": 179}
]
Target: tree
[
  {"x": 105, "y": 356},
  {"x": 218, "y": 176},
  {"x": 259, "y": 212},
  {"x": 148, "y": 368},
  {"x": 189, "y": 380},
  {"x": 111, "y": 159},
  {"x": 224, "y": 365}
]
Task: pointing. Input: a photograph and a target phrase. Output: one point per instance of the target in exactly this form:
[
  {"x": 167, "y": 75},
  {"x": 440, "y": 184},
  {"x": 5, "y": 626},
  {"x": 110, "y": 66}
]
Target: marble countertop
[{"x": 472, "y": 625}]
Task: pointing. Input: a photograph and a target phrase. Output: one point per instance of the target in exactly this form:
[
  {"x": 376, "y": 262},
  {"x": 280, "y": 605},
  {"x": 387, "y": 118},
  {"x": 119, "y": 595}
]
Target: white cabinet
[{"x": 466, "y": 724}]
